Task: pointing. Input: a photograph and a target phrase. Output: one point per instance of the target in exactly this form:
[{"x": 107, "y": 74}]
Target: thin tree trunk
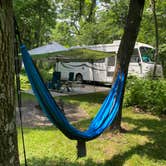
[
  {"x": 81, "y": 7},
  {"x": 127, "y": 45},
  {"x": 156, "y": 36},
  {"x": 92, "y": 12},
  {"x": 8, "y": 133}
]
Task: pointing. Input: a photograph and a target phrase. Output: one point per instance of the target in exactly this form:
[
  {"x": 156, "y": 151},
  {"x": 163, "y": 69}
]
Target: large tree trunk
[
  {"x": 127, "y": 44},
  {"x": 8, "y": 133}
]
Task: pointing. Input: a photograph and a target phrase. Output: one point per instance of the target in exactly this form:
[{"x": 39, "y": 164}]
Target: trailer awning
[{"x": 73, "y": 54}]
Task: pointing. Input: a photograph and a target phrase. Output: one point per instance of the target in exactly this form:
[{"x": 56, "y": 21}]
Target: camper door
[{"x": 135, "y": 66}]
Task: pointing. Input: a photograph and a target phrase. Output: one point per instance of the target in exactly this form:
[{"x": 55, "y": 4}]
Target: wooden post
[{"x": 81, "y": 148}]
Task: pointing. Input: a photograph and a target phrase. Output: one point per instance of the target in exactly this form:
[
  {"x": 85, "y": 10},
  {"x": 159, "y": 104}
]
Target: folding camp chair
[{"x": 56, "y": 80}]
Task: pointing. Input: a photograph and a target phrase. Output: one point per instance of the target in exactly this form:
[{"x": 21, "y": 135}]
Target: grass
[
  {"x": 25, "y": 84},
  {"x": 143, "y": 144}
]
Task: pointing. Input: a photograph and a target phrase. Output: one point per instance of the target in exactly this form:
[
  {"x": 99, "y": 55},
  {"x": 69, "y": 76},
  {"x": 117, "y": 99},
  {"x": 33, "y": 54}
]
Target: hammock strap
[{"x": 18, "y": 84}]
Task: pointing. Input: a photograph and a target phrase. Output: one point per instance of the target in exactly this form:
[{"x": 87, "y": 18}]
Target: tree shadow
[
  {"x": 83, "y": 124},
  {"x": 155, "y": 149},
  {"x": 96, "y": 98},
  {"x": 57, "y": 161},
  {"x": 155, "y": 131}
]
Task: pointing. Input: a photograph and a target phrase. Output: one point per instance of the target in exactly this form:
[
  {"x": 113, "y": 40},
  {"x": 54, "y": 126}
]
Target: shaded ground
[
  {"x": 76, "y": 90},
  {"x": 32, "y": 115},
  {"x": 143, "y": 145}
]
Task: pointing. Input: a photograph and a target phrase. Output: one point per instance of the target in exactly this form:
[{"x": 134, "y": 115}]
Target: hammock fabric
[{"x": 101, "y": 121}]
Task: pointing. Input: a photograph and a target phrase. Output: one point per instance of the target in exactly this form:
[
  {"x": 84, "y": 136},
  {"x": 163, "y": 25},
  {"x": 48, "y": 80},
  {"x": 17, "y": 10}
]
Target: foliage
[
  {"x": 141, "y": 145},
  {"x": 25, "y": 84},
  {"x": 147, "y": 30},
  {"x": 149, "y": 95},
  {"x": 35, "y": 19},
  {"x": 46, "y": 72},
  {"x": 108, "y": 26},
  {"x": 80, "y": 22},
  {"x": 73, "y": 15},
  {"x": 62, "y": 34},
  {"x": 108, "y": 22},
  {"x": 162, "y": 57},
  {"x": 46, "y": 75}
]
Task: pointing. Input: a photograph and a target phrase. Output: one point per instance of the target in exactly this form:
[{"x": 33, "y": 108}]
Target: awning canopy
[
  {"x": 73, "y": 54},
  {"x": 48, "y": 48}
]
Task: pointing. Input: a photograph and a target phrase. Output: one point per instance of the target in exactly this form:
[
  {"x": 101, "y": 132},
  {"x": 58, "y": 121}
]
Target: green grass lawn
[{"x": 143, "y": 145}]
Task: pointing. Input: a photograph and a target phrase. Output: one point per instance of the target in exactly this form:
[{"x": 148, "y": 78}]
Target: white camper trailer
[{"x": 102, "y": 70}]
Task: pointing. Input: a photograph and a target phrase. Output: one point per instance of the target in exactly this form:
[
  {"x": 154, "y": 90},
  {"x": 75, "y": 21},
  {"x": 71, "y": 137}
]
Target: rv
[{"x": 141, "y": 64}]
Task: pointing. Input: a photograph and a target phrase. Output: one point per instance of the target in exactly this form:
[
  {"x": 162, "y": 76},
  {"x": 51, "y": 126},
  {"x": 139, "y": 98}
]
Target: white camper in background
[{"x": 102, "y": 70}]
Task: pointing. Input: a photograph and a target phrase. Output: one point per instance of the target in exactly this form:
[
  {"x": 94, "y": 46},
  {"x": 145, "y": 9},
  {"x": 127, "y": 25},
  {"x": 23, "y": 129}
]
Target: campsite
[{"x": 82, "y": 83}]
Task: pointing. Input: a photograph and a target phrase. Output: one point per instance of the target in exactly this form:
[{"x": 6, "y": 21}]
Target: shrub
[
  {"x": 149, "y": 95},
  {"x": 46, "y": 74},
  {"x": 25, "y": 84}
]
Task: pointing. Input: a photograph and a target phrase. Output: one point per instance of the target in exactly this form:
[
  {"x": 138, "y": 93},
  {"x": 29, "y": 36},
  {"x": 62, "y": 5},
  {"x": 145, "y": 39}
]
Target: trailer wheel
[{"x": 79, "y": 78}]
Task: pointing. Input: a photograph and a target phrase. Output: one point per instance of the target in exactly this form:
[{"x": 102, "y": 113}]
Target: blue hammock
[{"x": 101, "y": 121}]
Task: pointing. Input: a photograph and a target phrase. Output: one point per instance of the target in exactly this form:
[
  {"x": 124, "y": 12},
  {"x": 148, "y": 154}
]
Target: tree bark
[
  {"x": 153, "y": 2},
  {"x": 81, "y": 7},
  {"x": 127, "y": 45},
  {"x": 8, "y": 133},
  {"x": 92, "y": 12}
]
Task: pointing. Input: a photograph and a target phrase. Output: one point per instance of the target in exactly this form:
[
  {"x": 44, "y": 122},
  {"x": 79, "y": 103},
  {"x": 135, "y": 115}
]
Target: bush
[
  {"x": 45, "y": 69},
  {"x": 149, "y": 95},
  {"x": 25, "y": 84},
  {"x": 46, "y": 74}
]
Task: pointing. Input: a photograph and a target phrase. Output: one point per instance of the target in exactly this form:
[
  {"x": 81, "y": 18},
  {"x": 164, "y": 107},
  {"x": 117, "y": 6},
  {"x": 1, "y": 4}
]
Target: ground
[
  {"x": 32, "y": 115},
  {"x": 143, "y": 144}
]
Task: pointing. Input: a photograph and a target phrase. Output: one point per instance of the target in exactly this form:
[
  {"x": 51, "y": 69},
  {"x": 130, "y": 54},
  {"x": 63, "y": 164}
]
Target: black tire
[{"x": 79, "y": 78}]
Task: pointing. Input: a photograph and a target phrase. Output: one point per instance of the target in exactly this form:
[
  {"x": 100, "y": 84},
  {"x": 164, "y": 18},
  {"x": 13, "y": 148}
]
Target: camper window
[
  {"x": 100, "y": 60},
  {"x": 135, "y": 56},
  {"x": 147, "y": 54},
  {"x": 111, "y": 61}
]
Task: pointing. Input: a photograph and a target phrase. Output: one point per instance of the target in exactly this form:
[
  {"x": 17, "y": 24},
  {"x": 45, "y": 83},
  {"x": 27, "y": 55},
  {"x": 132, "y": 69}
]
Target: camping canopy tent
[
  {"x": 56, "y": 52},
  {"x": 49, "y": 48}
]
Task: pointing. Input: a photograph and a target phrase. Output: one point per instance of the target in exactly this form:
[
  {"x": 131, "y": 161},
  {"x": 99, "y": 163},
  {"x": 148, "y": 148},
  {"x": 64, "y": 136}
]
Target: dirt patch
[{"x": 32, "y": 115}]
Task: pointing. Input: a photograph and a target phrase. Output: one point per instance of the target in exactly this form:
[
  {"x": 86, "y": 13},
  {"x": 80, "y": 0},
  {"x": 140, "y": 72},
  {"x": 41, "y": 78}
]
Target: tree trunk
[
  {"x": 153, "y": 2},
  {"x": 127, "y": 45},
  {"x": 92, "y": 11},
  {"x": 81, "y": 7},
  {"x": 8, "y": 133}
]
